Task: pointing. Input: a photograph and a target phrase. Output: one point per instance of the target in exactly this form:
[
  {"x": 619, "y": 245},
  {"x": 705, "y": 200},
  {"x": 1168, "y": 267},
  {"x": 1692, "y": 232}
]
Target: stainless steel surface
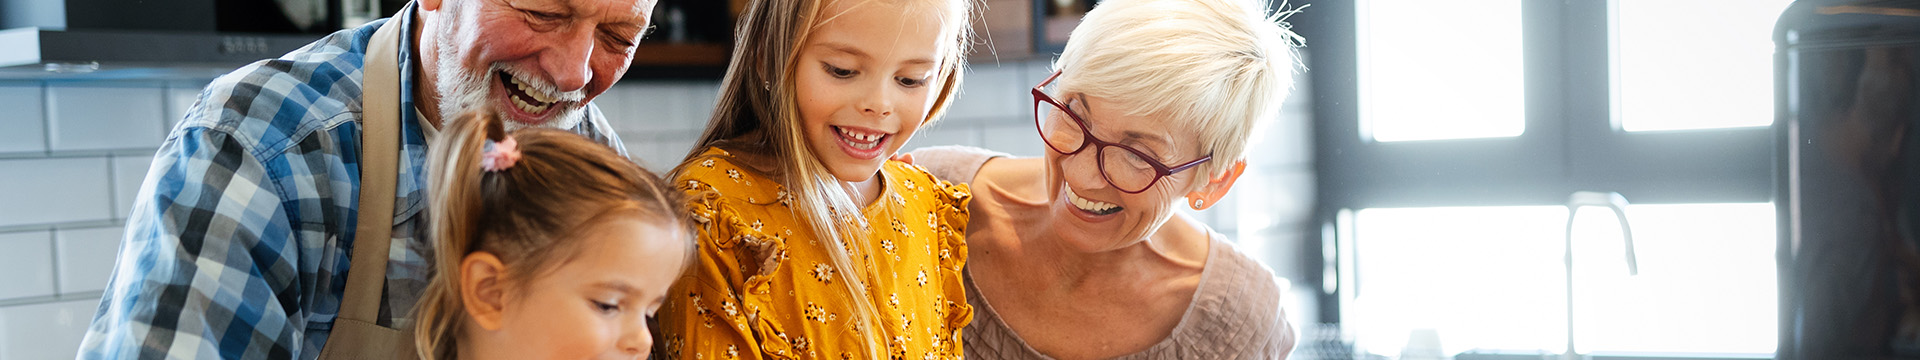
[{"x": 25, "y": 53}]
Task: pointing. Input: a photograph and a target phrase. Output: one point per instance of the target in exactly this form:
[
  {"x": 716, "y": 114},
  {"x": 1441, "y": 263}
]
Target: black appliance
[{"x": 1847, "y": 98}]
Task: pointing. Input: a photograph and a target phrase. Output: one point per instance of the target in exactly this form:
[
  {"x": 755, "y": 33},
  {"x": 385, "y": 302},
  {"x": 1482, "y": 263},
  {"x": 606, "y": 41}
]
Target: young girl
[
  {"x": 549, "y": 245},
  {"x": 811, "y": 243}
]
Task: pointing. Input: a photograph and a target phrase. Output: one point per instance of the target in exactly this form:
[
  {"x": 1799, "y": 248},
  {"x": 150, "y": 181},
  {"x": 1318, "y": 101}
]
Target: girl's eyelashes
[
  {"x": 911, "y": 82},
  {"x": 605, "y": 307},
  {"x": 837, "y": 72},
  {"x": 844, "y": 73}
]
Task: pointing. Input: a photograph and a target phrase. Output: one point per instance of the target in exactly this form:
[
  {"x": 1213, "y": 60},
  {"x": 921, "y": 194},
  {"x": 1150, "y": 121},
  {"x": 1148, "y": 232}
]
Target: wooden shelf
[
  {"x": 692, "y": 40},
  {"x": 684, "y": 54},
  {"x": 685, "y": 61}
]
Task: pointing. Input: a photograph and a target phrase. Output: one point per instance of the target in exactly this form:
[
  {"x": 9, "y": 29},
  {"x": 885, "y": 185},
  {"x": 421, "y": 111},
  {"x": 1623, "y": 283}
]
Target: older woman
[{"x": 1080, "y": 254}]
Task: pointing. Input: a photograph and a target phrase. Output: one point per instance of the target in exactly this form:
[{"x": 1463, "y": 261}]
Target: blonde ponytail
[{"x": 455, "y": 201}]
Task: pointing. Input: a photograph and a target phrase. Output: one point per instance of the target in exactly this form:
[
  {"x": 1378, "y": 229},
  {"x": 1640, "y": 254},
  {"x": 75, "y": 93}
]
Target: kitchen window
[{"x": 1452, "y": 133}]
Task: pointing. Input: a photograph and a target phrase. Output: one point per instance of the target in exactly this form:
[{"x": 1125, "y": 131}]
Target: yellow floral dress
[{"x": 766, "y": 288}]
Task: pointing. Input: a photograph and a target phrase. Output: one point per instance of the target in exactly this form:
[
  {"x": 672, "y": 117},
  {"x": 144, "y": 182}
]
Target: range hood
[{"x": 54, "y": 39}]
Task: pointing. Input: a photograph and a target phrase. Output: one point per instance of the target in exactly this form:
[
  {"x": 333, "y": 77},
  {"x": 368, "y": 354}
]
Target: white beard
[{"x": 461, "y": 89}]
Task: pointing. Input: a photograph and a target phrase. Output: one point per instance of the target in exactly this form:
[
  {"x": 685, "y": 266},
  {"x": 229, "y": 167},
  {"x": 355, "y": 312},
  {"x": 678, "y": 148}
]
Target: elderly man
[{"x": 240, "y": 242}]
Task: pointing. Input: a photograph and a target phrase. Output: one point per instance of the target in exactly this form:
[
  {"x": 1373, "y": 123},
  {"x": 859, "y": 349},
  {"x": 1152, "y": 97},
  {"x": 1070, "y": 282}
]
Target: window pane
[
  {"x": 1706, "y": 281},
  {"x": 1481, "y": 277},
  {"x": 1440, "y": 69},
  {"x": 1492, "y": 278},
  {"x": 1696, "y": 64}
]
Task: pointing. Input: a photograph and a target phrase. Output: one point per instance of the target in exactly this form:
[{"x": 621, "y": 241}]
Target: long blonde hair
[
  {"x": 758, "y": 112},
  {"x": 529, "y": 215}
]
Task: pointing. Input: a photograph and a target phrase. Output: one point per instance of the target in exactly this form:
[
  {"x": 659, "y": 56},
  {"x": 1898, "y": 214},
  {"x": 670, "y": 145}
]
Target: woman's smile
[{"x": 1091, "y": 207}]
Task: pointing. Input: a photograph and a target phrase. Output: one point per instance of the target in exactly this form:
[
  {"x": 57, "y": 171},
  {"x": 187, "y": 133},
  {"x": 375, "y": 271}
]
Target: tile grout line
[
  {"x": 69, "y": 154},
  {"x": 46, "y": 118},
  {"x": 113, "y": 189},
  {"x": 64, "y": 225},
  {"x": 48, "y": 299},
  {"x": 53, "y": 247}
]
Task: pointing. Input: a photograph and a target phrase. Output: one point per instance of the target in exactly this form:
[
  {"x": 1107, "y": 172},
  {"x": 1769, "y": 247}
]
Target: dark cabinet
[
  {"x": 688, "y": 39},
  {"x": 693, "y": 39}
]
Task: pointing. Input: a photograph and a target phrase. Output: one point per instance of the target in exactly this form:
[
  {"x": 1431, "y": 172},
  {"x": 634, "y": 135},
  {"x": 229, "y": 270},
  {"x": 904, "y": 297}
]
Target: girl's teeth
[{"x": 868, "y": 138}]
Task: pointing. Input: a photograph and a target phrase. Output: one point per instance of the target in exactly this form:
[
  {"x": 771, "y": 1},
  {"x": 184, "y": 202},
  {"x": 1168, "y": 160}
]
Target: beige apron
[{"x": 355, "y": 333}]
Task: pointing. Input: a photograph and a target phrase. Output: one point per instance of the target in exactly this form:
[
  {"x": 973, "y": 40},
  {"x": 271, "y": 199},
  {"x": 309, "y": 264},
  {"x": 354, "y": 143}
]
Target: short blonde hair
[{"x": 1220, "y": 66}]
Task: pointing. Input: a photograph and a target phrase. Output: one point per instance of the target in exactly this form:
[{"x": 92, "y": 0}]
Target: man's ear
[
  {"x": 483, "y": 289},
  {"x": 1216, "y": 187}
]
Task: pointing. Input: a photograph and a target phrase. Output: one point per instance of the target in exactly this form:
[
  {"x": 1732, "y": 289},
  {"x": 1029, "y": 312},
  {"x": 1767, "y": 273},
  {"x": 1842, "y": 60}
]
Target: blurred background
[{"x": 1418, "y": 193}]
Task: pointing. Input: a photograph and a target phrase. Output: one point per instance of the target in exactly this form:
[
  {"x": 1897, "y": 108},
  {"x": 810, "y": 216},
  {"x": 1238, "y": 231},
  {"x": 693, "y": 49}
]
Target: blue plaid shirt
[{"x": 237, "y": 246}]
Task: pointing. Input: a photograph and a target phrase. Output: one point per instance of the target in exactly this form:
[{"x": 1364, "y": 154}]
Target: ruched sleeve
[
  {"x": 949, "y": 221},
  {"x": 712, "y": 312}
]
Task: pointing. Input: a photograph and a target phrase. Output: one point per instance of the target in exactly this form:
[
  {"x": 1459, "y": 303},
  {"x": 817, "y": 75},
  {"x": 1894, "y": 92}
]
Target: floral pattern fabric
[{"x": 765, "y": 286}]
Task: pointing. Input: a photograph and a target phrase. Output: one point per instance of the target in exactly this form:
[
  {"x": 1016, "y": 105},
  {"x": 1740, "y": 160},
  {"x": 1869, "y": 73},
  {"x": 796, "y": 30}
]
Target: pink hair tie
[{"x": 500, "y": 155}]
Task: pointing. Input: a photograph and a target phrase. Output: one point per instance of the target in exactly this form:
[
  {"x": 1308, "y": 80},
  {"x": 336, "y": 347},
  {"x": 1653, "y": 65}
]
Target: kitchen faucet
[{"x": 1612, "y": 201}]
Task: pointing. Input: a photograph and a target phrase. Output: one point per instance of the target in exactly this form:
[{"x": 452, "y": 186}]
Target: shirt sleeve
[
  {"x": 208, "y": 267},
  {"x": 700, "y": 319},
  {"x": 1284, "y": 336}
]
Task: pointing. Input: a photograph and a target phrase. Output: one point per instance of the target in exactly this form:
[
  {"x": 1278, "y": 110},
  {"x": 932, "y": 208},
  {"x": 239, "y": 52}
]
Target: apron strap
[
  {"x": 380, "y": 142},
  {"x": 356, "y": 331}
]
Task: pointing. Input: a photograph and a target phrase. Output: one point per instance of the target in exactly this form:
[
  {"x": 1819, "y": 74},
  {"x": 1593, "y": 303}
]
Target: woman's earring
[
  {"x": 1199, "y": 204},
  {"x": 766, "y": 85}
]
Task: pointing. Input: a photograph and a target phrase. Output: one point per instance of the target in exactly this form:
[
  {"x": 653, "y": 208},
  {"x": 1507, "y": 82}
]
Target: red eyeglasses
[{"x": 1129, "y": 170}]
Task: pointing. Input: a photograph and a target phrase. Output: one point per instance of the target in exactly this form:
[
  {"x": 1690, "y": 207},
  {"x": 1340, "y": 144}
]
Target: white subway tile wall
[
  {"x": 59, "y": 251},
  {"x": 28, "y": 264},
  {"x": 75, "y": 153},
  {"x": 54, "y": 190},
  {"x": 105, "y": 116},
  {"x": 22, "y": 128},
  {"x": 944, "y": 133},
  {"x": 85, "y": 257},
  {"x": 128, "y": 172},
  {"x": 993, "y": 91},
  {"x": 46, "y": 330},
  {"x": 1019, "y": 139}
]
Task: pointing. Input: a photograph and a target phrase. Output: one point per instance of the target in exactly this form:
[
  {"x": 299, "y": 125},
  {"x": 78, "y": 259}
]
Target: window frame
[{"x": 1573, "y": 140}]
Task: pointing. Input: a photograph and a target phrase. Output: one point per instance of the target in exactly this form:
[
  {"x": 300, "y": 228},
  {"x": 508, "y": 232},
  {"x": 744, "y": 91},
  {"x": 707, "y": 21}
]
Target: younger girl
[
  {"x": 811, "y": 243},
  {"x": 549, "y": 245}
]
